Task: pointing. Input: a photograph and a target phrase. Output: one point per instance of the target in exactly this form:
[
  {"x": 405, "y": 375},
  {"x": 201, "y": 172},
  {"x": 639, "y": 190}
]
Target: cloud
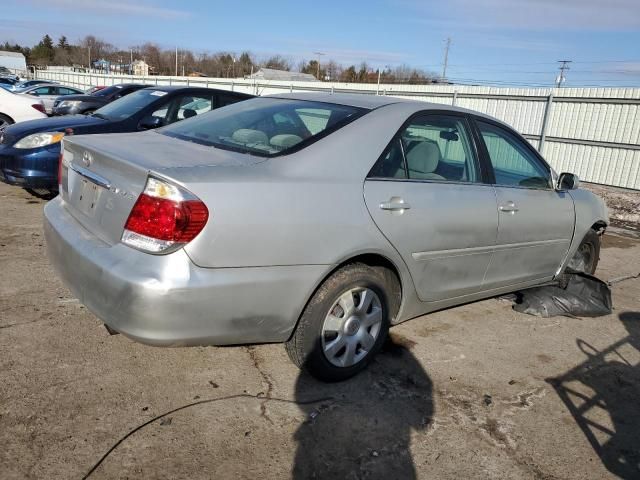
[
  {"x": 114, "y": 8},
  {"x": 599, "y": 15}
]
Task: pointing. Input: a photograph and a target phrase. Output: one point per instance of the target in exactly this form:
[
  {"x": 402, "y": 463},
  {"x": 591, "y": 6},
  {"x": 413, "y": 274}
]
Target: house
[{"x": 140, "y": 68}]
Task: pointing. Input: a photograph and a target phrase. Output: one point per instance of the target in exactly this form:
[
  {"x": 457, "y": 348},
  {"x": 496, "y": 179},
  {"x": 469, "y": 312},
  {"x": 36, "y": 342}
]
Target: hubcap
[{"x": 351, "y": 327}]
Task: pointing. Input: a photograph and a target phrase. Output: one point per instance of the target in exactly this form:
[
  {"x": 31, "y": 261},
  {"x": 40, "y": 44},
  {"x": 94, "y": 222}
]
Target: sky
[{"x": 517, "y": 42}]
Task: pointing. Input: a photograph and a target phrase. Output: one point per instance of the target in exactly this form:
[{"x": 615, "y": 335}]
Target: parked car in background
[
  {"x": 89, "y": 102},
  {"x": 6, "y": 73},
  {"x": 19, "y": 86},
  {"x": 17, "y": 108},
  {"x": 29, "y": 152},
  {"x": 7, "y": 83},
  {"x": 92, "y": 90},
  {"x": 317, "y": 220},
  {"x": 48, "y": 93}
]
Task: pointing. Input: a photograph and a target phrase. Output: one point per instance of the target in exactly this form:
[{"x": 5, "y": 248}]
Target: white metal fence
[{"x": 594, "y": 132}]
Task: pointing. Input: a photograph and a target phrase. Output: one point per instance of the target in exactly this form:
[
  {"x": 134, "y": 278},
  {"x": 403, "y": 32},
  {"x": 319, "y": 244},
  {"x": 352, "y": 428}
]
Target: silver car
[
  {"x": 312, "y": 219},
  {"x": 48, "y": 93}
]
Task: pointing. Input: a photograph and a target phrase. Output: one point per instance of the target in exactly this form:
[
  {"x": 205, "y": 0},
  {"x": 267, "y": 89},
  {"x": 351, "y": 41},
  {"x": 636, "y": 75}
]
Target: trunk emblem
[{"x": 87, "y": 158}]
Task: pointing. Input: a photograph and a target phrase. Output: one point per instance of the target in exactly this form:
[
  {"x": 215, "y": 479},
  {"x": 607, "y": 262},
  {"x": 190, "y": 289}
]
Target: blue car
[{"x": 29, "y": 151}]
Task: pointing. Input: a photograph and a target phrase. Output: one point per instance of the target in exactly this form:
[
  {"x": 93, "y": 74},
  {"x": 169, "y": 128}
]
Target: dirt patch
[{"x": 615, "y": 241}]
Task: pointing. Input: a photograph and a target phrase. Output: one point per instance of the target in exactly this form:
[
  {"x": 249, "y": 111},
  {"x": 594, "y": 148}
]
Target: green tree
[
  {"x": 44, "y": 52},
  {"x": 63, "y": 43}
]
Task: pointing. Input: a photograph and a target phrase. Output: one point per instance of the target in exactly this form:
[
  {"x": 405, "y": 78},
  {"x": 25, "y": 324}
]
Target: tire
[
  {"x": 5, "y": 121},
  {"x": 334, "y": 339},
  {"x": 42, "y": 193},
  {"x": 587, "y": 256}
]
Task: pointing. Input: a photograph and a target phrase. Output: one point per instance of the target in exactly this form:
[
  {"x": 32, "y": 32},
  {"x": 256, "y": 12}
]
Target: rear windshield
[
  {"x": 108, "y": 91},
  {"x": 129, "y": 105},
  {"x": 265, "y": 126}
]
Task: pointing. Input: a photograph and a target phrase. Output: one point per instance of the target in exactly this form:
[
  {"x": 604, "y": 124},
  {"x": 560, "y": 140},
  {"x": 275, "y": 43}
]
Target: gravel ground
[{"x": 477, "y": 391}]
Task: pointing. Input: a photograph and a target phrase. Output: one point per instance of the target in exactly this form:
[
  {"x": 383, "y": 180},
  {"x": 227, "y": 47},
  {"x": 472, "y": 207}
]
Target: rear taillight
[
  {"x": 165, "y": 217},
  {"x": 60, "y": 172},
  {"x": 39, "y": 107}
]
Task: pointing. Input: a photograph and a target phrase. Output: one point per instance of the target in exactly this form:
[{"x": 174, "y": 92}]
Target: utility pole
[
  {"x": 89, "y": 58},
  {"x": 176, "y": 61},
  {"x": 446, "y": 58},
  {"x": 319, "y": 54},
  {"x": 561, "y": 78}
]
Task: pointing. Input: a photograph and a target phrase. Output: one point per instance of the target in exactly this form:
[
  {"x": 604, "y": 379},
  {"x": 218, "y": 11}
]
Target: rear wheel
[
  {"x": 345, "y": 323},
  {"x": 5, "y": 121},
  {"x": 588, "y": 254}
]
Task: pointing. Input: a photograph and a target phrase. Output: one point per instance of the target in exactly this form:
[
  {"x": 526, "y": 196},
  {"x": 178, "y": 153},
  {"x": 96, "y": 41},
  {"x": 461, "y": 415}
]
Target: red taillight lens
[
  {"x": 39, "y": 107},
  {"x": 163, "y": 217},
  {"x": 60, "y": 172},
  {"x": 169, "y": 220}
]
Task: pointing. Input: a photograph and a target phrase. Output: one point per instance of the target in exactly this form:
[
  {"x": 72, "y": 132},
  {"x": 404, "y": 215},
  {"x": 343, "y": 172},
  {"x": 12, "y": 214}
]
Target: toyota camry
[{"x": 317, "y": 220}]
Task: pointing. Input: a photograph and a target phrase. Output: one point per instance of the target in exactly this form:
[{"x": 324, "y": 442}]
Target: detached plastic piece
[{"x": 575, "y": 295}]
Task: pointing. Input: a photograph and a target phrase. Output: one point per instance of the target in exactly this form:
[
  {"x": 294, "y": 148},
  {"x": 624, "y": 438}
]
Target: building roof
[
  {"x": 273, "y": 74},
  {"x": 5, "y": 53}
]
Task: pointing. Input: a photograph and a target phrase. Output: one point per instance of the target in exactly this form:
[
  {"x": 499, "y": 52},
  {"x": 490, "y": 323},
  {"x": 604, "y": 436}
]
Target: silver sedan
[
  {"x": 312, "y": 219},
  {"x": 48, "y": 93}
]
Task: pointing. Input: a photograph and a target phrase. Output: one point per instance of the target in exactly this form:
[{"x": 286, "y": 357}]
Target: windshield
[
  {"x": 107, "y": 92},
  {"x": 129, "y": 105},
  {"x": 265, "y": 126}
]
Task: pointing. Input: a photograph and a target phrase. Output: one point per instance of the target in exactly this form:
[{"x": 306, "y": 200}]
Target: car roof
[
  {"x": 351, "y": 99},
  {"x": 184, "y": 88},
  {"x": 371, "y": 102}
]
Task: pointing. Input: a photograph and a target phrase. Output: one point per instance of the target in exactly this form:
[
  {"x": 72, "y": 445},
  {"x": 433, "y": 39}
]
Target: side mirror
[
  {"x": 149, "y": 122},
  {"x": 568, "y": 181}
]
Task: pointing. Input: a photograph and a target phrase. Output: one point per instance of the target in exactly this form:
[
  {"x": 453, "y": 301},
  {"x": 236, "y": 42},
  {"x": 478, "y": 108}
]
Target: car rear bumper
[
  {"x": 166, "y": 300},
  {"x": 30, "y": 168}
]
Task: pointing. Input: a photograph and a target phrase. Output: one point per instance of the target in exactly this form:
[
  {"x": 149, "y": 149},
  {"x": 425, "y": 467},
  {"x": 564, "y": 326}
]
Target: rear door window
[{"x": 431, "y": 147}]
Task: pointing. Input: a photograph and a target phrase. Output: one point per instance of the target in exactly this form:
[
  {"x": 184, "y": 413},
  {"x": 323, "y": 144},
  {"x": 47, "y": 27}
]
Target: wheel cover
[{"x": 351, "y": 327}]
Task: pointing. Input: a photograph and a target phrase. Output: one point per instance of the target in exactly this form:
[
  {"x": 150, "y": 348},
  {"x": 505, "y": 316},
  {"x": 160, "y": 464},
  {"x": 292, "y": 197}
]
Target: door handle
[
  {"x": 510, "y": 207},
  {"x": 395, "y": 204}
]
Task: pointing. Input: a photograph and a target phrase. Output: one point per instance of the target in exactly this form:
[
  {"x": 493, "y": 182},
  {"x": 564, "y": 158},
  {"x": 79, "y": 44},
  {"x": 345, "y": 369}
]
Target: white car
[
  {"x": 18, "y": 108},
  {"x": 49, "y": 93}
]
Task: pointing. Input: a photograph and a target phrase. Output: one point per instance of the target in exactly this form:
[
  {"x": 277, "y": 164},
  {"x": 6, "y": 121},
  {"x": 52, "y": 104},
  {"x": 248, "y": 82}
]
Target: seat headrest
[
  {"x": 248, "y": 136},
  {"x": 285, "y": 140},
  {"x": 424, "y": 157}
]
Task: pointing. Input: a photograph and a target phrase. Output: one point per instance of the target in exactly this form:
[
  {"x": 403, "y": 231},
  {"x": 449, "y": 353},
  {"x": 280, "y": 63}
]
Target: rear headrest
[
  {"x": 424, "y": 157},
  {"x": 247, "y": 136},
  {"x": 285, "y": 140}
]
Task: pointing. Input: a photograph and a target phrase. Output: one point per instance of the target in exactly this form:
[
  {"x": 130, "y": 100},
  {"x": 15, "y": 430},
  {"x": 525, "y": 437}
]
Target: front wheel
[
  {"x": 5, "y": 121},
  {"x": 588, "y": 254},
  {"x": 345, "y": 323}
]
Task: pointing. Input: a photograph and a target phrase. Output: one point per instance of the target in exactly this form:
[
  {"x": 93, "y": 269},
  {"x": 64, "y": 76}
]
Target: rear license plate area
[{"x": 88, "y": 196}]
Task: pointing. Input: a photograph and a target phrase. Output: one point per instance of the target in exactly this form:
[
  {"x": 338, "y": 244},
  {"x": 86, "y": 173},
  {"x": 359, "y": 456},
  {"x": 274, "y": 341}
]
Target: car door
[
  {"x": 535, "y": 222},
  {"x": 429, "y": 196}
]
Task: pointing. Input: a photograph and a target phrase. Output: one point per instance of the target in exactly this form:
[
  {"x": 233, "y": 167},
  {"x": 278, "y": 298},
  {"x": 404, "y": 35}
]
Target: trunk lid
[{"x": 103, "y": 175}]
